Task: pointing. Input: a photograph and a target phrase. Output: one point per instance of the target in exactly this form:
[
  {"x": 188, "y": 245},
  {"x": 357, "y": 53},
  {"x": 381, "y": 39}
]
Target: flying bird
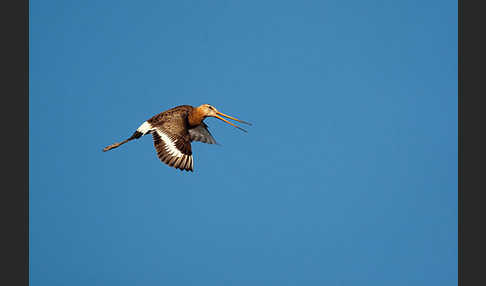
[{"x": 173, "y": 131}]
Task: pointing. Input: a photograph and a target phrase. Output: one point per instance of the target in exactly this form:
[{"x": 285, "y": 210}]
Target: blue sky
[{"x": 347, "y": 177}]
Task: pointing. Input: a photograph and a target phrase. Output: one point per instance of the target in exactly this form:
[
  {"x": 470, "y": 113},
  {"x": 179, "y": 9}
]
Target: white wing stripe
[{"x": 170, "y": 146}]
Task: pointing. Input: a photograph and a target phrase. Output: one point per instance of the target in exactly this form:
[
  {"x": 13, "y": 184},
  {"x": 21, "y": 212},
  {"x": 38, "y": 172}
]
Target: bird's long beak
[{"x": 230, "y": 117}]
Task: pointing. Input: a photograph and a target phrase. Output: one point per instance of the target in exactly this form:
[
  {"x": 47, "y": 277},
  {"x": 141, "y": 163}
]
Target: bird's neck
[{"x": 196, "y": 116}]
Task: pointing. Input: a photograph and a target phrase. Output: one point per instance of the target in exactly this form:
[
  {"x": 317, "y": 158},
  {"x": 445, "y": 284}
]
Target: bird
[{"x": 173, "y": 131}]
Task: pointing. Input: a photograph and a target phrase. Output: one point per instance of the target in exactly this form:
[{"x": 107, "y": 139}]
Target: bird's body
[{"x": 173, "y": 131}]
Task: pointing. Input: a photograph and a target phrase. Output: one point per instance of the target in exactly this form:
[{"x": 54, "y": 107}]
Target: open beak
[{"x": 230, "y": 117}]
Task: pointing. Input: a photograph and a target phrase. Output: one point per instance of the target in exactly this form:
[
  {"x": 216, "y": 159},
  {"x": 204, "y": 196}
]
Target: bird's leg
[{"x": 135, "y": 135}]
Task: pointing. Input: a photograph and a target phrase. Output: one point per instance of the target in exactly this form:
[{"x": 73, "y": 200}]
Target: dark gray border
[
  {"x": 14, "y": 194},
  {"x": 472, "y": 143}
]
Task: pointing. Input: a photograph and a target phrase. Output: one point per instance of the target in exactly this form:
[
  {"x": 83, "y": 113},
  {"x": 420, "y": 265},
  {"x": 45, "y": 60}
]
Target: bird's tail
[{"x": 135, "y": 135}]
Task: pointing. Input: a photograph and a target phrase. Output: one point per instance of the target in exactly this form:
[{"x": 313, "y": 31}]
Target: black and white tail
[{"x": 142, "y": 130}]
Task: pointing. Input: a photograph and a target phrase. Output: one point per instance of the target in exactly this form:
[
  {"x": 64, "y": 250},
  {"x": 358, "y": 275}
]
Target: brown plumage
[{"x": 174, "y": 130}]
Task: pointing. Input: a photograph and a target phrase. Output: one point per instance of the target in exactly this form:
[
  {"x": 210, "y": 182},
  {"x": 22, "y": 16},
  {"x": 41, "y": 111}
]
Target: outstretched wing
[
  {"x": 201, "y": 134},
  {"x": 173, "y": 149}
]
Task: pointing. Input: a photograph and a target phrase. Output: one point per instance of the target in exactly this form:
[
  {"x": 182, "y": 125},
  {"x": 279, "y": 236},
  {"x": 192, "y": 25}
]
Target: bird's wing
[
  {"x": 173, "y": 149},
  {"x": 201, "y": 134}
]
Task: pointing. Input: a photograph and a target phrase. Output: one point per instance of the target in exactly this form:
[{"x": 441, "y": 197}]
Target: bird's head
[{"x": 210, "y": 111}]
